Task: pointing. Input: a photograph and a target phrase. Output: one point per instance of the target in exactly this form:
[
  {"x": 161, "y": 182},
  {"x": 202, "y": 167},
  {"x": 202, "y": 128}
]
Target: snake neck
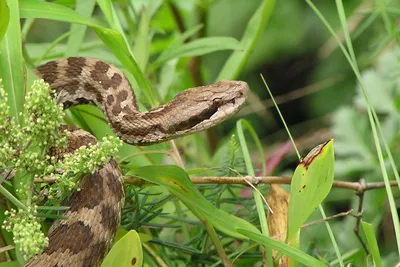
[{"x": 79, "y": 80}]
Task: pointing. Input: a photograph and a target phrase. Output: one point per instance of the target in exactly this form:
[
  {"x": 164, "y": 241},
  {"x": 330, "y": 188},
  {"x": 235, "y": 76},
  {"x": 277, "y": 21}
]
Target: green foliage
[
  {"x": 311, "y": 182},
  {"x": 28, "y": 236},
  {"x": 353, "y": 138},
  {"x": 293, "y": 252},
  {"x": 24, "y": 147},
  {"x": 5, "y": 15},
  {"x": 127, "y": 252},
  {"x": 372, "y": 243},
  {"x": 166, "y": 46},
  {"x": 11, "y": 59},
  {"x": 178, "y": 183},
  {"x": 40, "y": 117}
]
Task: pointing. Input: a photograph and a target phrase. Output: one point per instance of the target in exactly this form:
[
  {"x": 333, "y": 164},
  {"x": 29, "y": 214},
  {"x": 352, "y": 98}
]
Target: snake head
[
  {"x": 190, "y": 111},
  {"x": 206, "y": 106}
]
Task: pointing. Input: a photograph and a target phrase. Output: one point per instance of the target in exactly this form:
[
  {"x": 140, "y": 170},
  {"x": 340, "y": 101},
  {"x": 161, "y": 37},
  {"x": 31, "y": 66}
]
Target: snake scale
[{"x": 95, "y": 211}]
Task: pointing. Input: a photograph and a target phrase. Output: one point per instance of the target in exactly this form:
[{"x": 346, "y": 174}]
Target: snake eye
[{"x": 217, "y": 101}]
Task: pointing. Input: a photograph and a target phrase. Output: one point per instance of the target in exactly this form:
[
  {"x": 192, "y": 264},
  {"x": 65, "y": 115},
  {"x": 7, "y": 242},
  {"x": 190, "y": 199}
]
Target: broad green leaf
[
  {"x": 200, "y": 47},
  {"x": 372, "y": 243},
  {"x": 126, "y": 252},
  {"x": 311, "y": 183},
  {"x": 234, "y": 65},
  {"x": 12, "y": 72},
  {"x": 283, "y": 248},
  {"x": 4, "y": 17},
  {"x": 178, "y": 183}
]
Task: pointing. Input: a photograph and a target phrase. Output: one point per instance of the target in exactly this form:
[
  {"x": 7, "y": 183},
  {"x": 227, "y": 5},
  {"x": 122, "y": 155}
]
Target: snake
[{"x": 94, "y": 213}]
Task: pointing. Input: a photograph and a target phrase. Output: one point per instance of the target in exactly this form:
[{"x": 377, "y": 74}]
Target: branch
[{"x": 360, "y": 186}]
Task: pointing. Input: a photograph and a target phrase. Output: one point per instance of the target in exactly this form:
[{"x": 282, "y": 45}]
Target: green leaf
[
  {"x": 76, "y": 39},
  {"x": 178, "y": 183},
  {"x": 283, "y": 248},
  {"x": 355, "y": 151},
  {"x": 107, "y": 8},
  {"x": 383, "y": 100},
  {"x": 200, "y": 47},
  {"x": 180, "y": 39},
  {"x": 10, "y": 264},
  {"x": 114, "y": 40},
  {"x": 4, "y": 18},
  {"x": 12, "y": 72},
  {"x": 311, "y": 183},
  {"x": 234, "y": 65},
  {"x": 45, "y": 10},
  {"x": 127, "y": 252},
  {"x": 112, "y": 19},
  {"x": 372, "y": 243},
  {"x": 141, "y": 48}
]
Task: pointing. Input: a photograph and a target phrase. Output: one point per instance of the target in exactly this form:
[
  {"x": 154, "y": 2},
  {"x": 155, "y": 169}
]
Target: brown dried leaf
[{"x": 278, "y": 201}]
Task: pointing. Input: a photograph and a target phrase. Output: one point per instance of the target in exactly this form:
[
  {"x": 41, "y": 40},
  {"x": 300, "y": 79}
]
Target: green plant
[{"x": 166, "y": 46}]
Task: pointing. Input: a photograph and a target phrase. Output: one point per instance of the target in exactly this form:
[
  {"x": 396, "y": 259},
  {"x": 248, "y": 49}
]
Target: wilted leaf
[{"x": 278, "y": 201}]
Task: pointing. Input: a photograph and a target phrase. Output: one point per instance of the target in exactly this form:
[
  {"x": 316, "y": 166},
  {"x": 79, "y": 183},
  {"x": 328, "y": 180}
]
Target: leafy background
[{"x": 181, "y": 44}]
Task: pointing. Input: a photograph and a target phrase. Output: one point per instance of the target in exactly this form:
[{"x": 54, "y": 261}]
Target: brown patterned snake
[{"x": 95, "y": 211}]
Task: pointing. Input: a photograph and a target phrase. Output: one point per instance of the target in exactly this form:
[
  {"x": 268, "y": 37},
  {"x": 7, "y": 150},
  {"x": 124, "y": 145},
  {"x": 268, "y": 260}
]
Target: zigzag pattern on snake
[{"x": 95, "y": 211}]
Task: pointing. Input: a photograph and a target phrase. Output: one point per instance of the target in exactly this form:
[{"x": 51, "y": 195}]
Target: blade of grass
[
  {"x": 372, "y": 243},
  {"x": 141, "y": 48},
  {"x": 12, "y": 72},
  {"x": 375, "y": 124},
  {"x": 112, "y": 19},
  {"x": 75, "y": 40},
  {"x": 235, "y": 63},
  {"x": 281, "y": 117},
  {"x": 4, "y": 18},
  {"x": 51, "y": 46},
  {"x": 283, "y": 248},
  {"x": 199, "y": 47},
  {"x": 250, "y": 170}
]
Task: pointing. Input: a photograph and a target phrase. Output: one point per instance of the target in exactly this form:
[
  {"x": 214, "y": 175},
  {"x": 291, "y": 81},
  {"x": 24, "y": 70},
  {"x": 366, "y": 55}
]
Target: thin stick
[{"x": 356, "y": 186}]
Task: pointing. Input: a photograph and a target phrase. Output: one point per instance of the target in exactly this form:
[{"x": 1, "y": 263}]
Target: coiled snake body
[{"x": 95, "y": 211}]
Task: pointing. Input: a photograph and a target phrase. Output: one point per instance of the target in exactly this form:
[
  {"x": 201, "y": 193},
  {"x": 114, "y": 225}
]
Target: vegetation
[{"x": 218, "y": 197}]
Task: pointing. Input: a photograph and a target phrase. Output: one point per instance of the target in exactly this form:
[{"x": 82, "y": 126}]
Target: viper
[{"x": 94, "y": 212}]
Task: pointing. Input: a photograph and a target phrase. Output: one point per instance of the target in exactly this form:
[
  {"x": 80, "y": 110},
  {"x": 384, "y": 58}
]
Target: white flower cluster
[
  {"x": 9, "y": 136},
  {"x": 24, "y": 147},
  {"x": 27, "y": 233},
  {"x": 42, "y": 115}
]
